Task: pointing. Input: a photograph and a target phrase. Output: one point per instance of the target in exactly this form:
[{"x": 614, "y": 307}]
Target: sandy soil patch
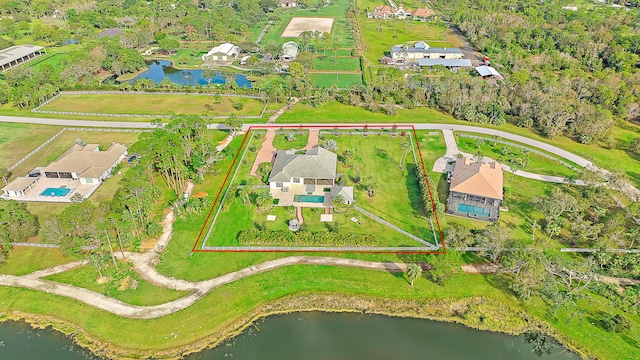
[{"x": 297, "y": 25}]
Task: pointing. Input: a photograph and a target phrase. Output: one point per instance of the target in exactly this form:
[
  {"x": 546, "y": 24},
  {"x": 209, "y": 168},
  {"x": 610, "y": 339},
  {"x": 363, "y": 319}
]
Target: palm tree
[
  {"x": 414, "y": 271},
  {"x": 264, "y": 200},
  {"x": 405, "y": 149},
  {"x": 347, "y": 157},
  {"x": 244, "y": 195},
  {"x": 371, "y": 185}
]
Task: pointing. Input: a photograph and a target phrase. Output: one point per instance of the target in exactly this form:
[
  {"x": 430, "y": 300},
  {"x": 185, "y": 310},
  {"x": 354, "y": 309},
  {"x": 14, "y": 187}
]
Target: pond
[
  {"x": 314, "y": 335},
  {"x": 159, "y": 69}
]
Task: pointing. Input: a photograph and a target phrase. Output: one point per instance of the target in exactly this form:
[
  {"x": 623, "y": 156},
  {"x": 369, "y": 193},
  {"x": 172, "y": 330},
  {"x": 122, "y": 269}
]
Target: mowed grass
[
  {"x": 538, "y": 164},
  {"x": 329, "y": 62},
  {"x": 25, "y": 260},
  {"x": 17, "y": 140},
  {"x": 49, "y": 59},
  {"x": 342, "y": 81},
  {"x": 155, "y": 104},
  {"x": 281, "y": 142},
  {"x": 144, "y": 293},
  {"x": 335, "y": 112}
]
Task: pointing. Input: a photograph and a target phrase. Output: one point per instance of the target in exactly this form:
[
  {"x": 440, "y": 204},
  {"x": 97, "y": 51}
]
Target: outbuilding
[
  {"x": 19, "y": 54},
  {"x": 222, "y": 52}
]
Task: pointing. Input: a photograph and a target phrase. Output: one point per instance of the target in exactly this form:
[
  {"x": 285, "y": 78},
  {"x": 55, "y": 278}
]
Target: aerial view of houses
[{"x": 353, "y": 178}]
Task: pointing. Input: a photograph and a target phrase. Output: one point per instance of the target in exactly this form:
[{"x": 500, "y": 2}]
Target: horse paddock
[{"x": 298, "y": 25}]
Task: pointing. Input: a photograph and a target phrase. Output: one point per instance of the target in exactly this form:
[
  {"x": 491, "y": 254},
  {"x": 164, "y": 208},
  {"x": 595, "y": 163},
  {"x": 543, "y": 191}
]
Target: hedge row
[{"x": 304, "y": 238}]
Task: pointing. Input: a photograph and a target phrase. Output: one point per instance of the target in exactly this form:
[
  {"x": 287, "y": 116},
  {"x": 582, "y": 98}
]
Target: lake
[
  {"x": 313, "y": 335},
  {"x": 159, "y": 69}
]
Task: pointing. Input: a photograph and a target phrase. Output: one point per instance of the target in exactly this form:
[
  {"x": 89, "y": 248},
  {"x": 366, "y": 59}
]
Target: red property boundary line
[{"x": 326, "y": 127}]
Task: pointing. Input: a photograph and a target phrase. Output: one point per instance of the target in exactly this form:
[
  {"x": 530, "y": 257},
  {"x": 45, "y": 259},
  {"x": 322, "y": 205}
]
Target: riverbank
[{"x": 479, "y": 313}]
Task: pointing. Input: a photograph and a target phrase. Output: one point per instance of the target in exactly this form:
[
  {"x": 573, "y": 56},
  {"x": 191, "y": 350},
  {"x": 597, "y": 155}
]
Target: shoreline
[{"x": 479, "y": 313}]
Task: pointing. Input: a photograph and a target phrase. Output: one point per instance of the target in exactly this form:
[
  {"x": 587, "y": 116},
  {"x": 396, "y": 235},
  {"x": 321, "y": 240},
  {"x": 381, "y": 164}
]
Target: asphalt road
[{"x": 475, "y": 129}]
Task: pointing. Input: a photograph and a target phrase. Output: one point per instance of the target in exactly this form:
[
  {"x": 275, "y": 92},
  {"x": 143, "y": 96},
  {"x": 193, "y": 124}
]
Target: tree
[
  {"x": 264, "y": 201},
  {"x": 405, "y": 149},
  {"x": 347, "y": 157},
  {"x": 338, "y": 204},
  {"x": 371, "y": 185},
  {"x": 331, "y": 145},
  {"x": 4, "y": 174},
  {"x": 634, "y": 147},
  {"x": 414, "y": 271},
  {"x": 168, "y": 44},
  {"x": 494, "y": 239},
  {"x": 234, "y": 124},
  {"x": 16, "y": 224}
]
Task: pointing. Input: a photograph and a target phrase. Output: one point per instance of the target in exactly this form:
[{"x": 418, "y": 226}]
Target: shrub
[
  {"x": 154, "y": 229},
  {"x": 616, "y": 323},
  {"x": 304, "y": 238}
]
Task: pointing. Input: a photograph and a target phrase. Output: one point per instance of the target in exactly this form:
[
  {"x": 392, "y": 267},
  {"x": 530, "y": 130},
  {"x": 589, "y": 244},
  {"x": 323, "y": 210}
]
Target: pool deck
[
  {"x": 286, "y": 198},
  {"x": 44, "y": 183}
]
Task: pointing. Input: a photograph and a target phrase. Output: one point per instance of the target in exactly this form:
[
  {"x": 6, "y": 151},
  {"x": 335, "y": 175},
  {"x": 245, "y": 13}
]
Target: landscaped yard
[
  {"x": 281, "y": 141},
  {"x": 156, "y": 104},
  {"x": 537, "y": 163},
  {"x": 397, "y": 197}
]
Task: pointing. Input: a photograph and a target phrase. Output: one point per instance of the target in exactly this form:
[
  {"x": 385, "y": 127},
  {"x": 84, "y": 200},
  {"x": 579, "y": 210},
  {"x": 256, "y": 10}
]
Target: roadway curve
[{"x": 474, "y": 129}]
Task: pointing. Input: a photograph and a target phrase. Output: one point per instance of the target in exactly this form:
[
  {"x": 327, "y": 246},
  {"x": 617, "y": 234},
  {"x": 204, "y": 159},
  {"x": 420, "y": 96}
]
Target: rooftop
[
  {"x": 20, "y": 184},
  {"x": 17, "y": 52},
  {"x": 318, "y": 163},
  {"x": 86, "y": 160},
  {"x": 445, "y": 62},
  {"x": 476, "y": 178}
]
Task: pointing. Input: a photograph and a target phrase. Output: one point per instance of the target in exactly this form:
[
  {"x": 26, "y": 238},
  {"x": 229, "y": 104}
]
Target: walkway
[
  {"x": 299, "y": 215},
  {"x": 266, "y": 153},
  {"x": 314, "y": 135},
  {"x": 264, "y": 31},
  {"x": 390, "y": 225},
  {"x": 277, "y": 114}
]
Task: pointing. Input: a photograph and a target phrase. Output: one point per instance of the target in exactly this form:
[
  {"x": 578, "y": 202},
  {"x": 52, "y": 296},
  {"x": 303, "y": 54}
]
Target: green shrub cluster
[
  {"x": 424, "y": 190},
  {"x": 303, "y": 238}
]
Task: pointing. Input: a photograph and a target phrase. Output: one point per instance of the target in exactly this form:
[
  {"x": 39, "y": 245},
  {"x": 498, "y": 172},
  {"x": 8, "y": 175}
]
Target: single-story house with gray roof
[
  {"x": 19, "y": 54},
  {"x": 315, "y": 167}
]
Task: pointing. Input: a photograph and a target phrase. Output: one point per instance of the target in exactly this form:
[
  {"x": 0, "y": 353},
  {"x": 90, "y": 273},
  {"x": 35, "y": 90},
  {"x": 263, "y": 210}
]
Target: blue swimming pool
[
  {"x": 470, "y": 209},
  {"x": 309, "y": 198},
  {"x": 61, "y": 191}
]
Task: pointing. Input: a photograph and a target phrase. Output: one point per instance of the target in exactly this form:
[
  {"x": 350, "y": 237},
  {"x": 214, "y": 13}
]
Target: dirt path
[
  {"x": 266, "y": 153},
  {"x": 274, "y": 117},
  {"x": 299, "y": 215}
]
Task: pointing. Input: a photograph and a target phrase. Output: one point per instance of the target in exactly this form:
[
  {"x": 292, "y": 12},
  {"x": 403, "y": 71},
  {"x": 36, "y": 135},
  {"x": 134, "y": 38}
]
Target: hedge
[{"x": 304, "y": 238}]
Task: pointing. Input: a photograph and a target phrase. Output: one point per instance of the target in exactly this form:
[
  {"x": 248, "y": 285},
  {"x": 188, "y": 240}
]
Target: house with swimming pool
[
  {"x": 306, "y": 179},
  {"x": 476, "y": 190},
  {"x": 80, "y": 170}
]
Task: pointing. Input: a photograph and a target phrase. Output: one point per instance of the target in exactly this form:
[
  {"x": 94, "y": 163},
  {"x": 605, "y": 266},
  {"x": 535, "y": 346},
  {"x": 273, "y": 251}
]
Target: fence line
[
  {"x": 390, "y": 225},
  {"x": 26, "y": 244},
  {"x": 35, "y": 150},
  {"x": 318, "y": 248},
  {"x": 146, "y": 116}
]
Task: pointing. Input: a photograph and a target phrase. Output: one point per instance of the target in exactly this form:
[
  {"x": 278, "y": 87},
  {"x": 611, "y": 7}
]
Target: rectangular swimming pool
[
  {"x": 309, "y": 198},
  {"x": 470, "y": 209},
  {"x": 55, "y": 191}
]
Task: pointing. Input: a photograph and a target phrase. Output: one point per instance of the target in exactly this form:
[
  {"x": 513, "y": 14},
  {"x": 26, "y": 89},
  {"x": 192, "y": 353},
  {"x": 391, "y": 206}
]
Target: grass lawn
[
  {"x": 342, "y": 81},
  {"x": 329, "y": 63},
  {"x": 155, "y": 104},
  {"x": 538, "y": 164},
  {"x": 280, "y": 141},
  {"x": 17, "y": 140},
  {"x": 25, "y": 260},
  {"x": 335, "y": 112},
  {"x": 49, "y": 59},
  {"x": 144, "y": 294}
]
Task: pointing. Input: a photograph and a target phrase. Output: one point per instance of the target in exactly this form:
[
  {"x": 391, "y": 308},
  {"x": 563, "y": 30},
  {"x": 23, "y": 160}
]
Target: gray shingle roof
[{"x": 316, "y": 163}]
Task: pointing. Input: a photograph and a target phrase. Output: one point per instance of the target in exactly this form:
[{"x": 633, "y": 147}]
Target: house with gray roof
[
  {"x": 306, "y": 179},
  {"x": 422, "y": 50},
  {"x": 19, "y": 54},
  {"x": 289, "y": 51}
]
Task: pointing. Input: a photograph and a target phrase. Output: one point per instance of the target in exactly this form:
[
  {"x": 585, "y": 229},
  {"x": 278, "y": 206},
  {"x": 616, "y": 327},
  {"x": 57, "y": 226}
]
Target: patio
[
  {"x": 286, "y": 196},
  {"x": 43, "y": 183}
]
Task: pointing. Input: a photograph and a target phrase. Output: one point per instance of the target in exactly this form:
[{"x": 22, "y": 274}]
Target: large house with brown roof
[
  {"x": 388, "y": 12},
  {"x": 476, "y": 190},
  {"x": 86, "y": 163}
]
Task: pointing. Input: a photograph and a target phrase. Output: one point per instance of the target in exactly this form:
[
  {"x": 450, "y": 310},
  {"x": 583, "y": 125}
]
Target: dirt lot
[{"x": 297, "y": 25}]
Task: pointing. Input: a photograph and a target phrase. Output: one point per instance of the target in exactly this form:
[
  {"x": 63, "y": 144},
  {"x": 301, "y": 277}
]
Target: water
[
  {"x": 353, "y": 336},
  {"x": 61, "y": 191},
  {"x": 464, "y": 208},
  {"x": 18, "y": 341},
  {"x": 159, "y": 69},
  {"x": 309, "y": 198},
  {"x": 313, "y": 336}
]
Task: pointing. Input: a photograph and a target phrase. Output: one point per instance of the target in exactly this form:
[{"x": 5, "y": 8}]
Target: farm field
[
  {"x": 155, "y": 104},
  {"x": 342, "y": 81},
  {"x": 17, "y": 140}
]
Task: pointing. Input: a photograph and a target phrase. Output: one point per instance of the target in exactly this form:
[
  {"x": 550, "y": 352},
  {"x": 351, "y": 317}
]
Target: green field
[
  {"x": 281, "y": 142},
  {"x": 49, "y": 59},
  {"x": 17, "y": 140},
  {"x": 342, "y": 81},
  {"x": 155, "y": 104},
  {"x": 329, "y": 63}
]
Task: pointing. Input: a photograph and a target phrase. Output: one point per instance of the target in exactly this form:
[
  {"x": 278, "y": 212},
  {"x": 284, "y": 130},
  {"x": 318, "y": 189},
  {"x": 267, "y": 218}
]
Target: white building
[
  {"x": 288, "y": 3},
  {"x": 223, "y": 52},
  {"x": 421, "y": 50}
]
